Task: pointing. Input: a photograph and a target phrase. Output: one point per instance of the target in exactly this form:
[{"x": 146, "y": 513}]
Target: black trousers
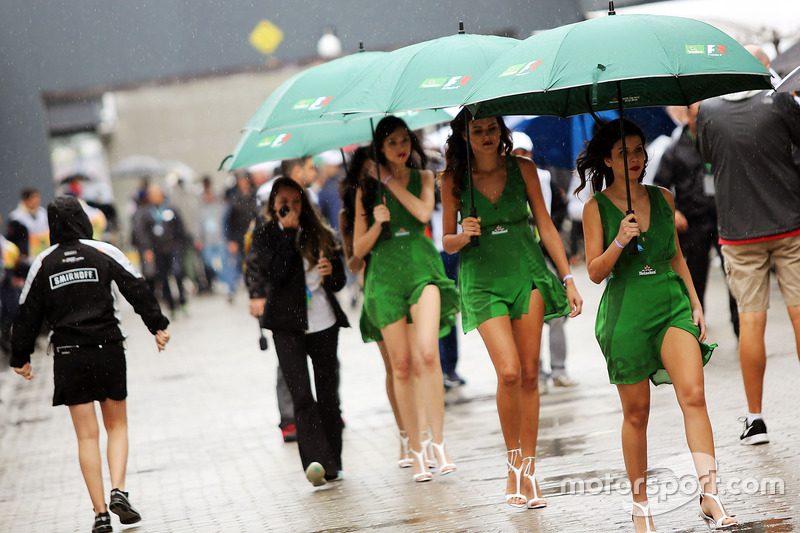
[
  {"x": 318, "y": 421},
  {"x": 696, "y": 244}
]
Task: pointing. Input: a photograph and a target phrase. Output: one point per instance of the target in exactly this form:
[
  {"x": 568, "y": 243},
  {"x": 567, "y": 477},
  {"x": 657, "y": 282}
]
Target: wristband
[
  {"x": 386, "y": 179},
  {"x": 618, "y": 245},
  {"x": 565, "y": 278}
]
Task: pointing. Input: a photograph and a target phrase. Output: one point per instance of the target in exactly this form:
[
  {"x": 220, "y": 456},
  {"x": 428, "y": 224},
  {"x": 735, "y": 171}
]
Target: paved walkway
[{"x": 206, "y": 454}]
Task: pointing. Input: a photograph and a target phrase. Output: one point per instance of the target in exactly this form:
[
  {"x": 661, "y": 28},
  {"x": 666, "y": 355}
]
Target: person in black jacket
[
  {"x": 294, "y": 267},
  {"x": 69, "y": 287}
]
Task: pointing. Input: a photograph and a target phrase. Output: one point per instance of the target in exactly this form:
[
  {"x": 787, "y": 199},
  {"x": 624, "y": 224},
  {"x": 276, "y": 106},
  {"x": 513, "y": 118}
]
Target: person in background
[
  {"x": 11, "y": 283},
  {"x": 331, "y": 173},
  {"x": 209, "y": 240},
  {"x": 69, "y": 287},
  {"x": 683, "y": 171},
  {"x": 303, "y": 171},
  {"x": 748, "y": 139},
  {"x": 241, "y": 210},
  {"x": 523, "y": 147}
]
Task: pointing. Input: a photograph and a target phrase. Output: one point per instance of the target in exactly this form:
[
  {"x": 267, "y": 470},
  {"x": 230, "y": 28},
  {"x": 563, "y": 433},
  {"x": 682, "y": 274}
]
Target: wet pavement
[{"x": 206, "y": 454}]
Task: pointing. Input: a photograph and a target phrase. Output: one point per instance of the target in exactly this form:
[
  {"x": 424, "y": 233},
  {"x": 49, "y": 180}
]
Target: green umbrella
[
  {"x": 615, "y": 62},
  {"x": 310, "y": 139}
]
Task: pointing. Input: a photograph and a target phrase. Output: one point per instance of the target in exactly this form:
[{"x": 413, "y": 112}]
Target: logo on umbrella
[
  {"x": 711, "y": 50},
  {"x": 453, "y": 82},
  {"x": 313, "y": 103},
  {"x": 274, "y": 141},
  {"x": 521, "y": 69}
]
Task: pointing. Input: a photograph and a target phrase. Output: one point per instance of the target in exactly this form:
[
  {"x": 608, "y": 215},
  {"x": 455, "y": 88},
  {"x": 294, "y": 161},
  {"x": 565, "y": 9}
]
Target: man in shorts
[{"x": 748, "y": 139}]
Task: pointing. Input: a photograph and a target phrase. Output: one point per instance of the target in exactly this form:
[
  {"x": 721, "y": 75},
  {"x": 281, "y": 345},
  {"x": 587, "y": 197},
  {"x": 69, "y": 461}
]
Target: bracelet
[
  {"x": 565, "y": 278},
  {"x": 386, "y": 179},
  {"x": 616, "y": 242}
]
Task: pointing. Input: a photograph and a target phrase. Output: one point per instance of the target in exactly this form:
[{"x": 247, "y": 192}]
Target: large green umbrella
[
  {"x": 310, "y": 139},
  {"x": 615, "y": 62}
]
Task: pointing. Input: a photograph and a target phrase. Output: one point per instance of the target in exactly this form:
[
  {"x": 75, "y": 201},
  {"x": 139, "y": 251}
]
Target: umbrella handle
[
  {"x": 474, "y": 241},
  {"x": 262, "y": 340},
  {"x": 386, "y": 233},
  {"x": 633, "y": 245}
]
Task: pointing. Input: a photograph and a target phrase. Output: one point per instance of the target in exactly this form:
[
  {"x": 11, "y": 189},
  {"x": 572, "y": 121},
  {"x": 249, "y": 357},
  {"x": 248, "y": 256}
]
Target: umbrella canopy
[
  {"x": 653, "y": 60},
  {"x": 427, "y": 75},
  {"x": 310, "y": 139},
  {"x": 791, "y": 83}
]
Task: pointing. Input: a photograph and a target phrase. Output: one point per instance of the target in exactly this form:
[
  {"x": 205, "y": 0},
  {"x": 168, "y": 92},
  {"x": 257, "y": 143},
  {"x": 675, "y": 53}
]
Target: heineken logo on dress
[
  {"x": 76, "y": 275},
  {"x": 647, "y": 271},
  {"x": 521, "y": 69},
  {"x": 712, "y": 50},
  {"x": 402, "y": 232},
  {"x": 313, "y": 103},
  {"x": 499, "y": 230},
  {"x": 274, "y": 141},
  {"x": 453, "y": 82}
]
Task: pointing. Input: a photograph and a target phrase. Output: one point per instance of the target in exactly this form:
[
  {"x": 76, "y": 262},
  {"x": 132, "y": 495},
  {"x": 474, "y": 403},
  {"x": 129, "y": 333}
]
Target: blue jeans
[
  {"x": 231, "y": 269},
  {"x": 448, "y": 345}
]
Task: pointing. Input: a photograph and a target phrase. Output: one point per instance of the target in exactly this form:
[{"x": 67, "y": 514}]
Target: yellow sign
[{"x": 266, "y": 37}]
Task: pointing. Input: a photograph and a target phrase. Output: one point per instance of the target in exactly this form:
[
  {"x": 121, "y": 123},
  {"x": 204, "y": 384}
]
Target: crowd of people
[{"x": 471, "y": 231}]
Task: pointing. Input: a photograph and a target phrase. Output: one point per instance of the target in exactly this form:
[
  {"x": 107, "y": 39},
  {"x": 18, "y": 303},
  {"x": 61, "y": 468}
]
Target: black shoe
[
  {"x": 102, "y": 523},
  {"x": 121, "y": 506},
  {"x": 453, "y": 380},
  {"x": 755, "y": 433}
]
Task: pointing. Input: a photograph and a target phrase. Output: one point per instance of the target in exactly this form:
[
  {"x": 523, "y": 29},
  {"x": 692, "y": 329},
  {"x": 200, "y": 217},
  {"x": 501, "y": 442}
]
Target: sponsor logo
[
  {"x": 313, "y": 103},
  {"x": 454, "y": 82},
  {"x": 499, "y": 230},
  {"x": 647, "y": 271},
  {"x": 72, "y": 259},
  {"x": 274, "y": 141},
  {"x": 712, "y": 50},
  {"x": 402, "y": 232},
  {"x": 521, "y": 69},
  {"x": 76, "y": 275}
]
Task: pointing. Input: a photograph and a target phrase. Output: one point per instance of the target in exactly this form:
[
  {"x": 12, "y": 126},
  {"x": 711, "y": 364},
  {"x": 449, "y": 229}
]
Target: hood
[{"x": 68, "y": 221}]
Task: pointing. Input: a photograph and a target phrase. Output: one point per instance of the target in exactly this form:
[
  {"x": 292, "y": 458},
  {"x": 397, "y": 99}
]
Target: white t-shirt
[{"x": 319, "y": 312}]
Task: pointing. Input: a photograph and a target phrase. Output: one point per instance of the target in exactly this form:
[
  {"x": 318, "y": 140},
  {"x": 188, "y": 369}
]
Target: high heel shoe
[
  {"x": 422, "y": 476},
  {"x": 426, "y": 444},
  {"x": 645, "y": 514},
  {"x": 536, "y": 502},
  {"x": 406, "y": 461},
  {"x": 515, "y": 454},
  {"x": 716, "y": 523},
  {"x": 444, "y": 466}
]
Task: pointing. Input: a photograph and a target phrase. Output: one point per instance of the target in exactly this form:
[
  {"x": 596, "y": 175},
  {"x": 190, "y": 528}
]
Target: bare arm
[
  {"x": 422, "y": 207},
  {"x": 354, "y": 263},
  {"x": 452, "y": 241},
  {"x": 365, "y": 236}
]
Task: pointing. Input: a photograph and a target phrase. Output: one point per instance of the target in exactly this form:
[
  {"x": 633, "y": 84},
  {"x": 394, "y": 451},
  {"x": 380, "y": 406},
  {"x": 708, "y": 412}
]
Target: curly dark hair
[
  {"x": 455, "y": 152},
  {"x": 314, "y": 234},
  {"x": 349, "y": 186},
  {"x": 386, "y": 127},
  {"x": 590, "y": 164}
]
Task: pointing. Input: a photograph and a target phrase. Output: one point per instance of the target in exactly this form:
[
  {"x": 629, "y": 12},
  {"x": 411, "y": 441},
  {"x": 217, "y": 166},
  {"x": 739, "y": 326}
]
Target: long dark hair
[
  {"x": 314, "y": 235},
  {"x": 351, "y": 183},
  {"x": 455, "y": 152},
  {"x": 417, "y": 159},
  {"x": 590, "y": 163}
]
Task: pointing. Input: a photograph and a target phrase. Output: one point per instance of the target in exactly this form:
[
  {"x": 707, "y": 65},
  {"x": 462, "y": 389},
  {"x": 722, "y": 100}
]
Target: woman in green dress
[
  {"x": 507, "y": 291},
  {"x": 406, "y": 292},
  {"x": 650, "y": 322}
]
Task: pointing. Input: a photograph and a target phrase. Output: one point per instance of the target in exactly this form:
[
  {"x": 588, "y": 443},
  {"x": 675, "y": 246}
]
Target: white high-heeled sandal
[
  {"x": 422, "y": 476},
  {"x": 444, "y": 466},
  {"x": 515, "y": 454},
  {"x": 716, "y": 523},
  {"x": 406, "y": 461},
  {"x": 645, "y": 514},
  {"x": 426, "y": 444},
  {"x": 536, "y": 502}
]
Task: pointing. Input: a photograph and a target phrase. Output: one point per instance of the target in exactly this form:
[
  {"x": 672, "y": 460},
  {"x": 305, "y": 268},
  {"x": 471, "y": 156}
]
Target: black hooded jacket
[{"x": 69, "y": 286}]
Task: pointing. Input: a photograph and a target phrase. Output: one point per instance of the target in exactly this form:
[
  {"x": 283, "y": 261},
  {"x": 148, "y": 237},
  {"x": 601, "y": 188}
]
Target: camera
[{"x": 284, "y": 210}]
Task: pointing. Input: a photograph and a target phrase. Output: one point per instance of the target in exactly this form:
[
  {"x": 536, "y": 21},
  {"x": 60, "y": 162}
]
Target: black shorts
[{"x": 84, "y": 374}]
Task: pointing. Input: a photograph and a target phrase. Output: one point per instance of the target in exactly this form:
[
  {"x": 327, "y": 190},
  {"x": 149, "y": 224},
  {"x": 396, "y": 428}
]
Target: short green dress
[
  {"x": 402, "y": 267},
  {"x": 643, "y": 298},
  {"x": 497, "y": 276}
]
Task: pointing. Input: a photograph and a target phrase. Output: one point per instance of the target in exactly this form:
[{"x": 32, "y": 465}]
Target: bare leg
[
  {"x": 635, "y": 399},
  {"x": 86, "y": 429},
  {"x": 390, "y": 385},
  {"x": 680, "y": 354},
  {"x": 794, "y": 315},
  {"x": 753, "y": 356},
  {"x": 115, "y": 419}
]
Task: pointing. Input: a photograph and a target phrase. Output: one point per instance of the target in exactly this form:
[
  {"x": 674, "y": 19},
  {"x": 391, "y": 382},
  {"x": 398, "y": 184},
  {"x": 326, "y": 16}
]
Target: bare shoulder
[{"x": 667, "y": 196}]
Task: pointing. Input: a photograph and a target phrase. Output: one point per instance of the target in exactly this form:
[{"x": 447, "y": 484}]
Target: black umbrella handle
[
  {"x": 386, "y": 233},
  {"x": 633, "y": 245},
  {"x": 474, "y": 241}
]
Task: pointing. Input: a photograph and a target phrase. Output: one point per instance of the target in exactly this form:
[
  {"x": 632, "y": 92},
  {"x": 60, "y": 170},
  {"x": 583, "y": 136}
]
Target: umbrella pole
[
  {"x": 633, "y": 246},
  {"x": 474, "y": 240},
  {"x": 386, "y": 233}
]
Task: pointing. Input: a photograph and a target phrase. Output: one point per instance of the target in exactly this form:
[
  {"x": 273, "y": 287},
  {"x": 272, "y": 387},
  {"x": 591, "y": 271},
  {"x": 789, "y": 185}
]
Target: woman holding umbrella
[
  {"x": 650, "y": 321},
  {"x": 507, "y": 291},
  {"x": 406, "y": 292}
]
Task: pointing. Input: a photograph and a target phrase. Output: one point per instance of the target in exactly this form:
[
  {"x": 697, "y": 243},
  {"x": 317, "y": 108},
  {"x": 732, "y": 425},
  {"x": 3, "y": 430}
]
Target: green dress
[
  {"x": 497, "y": 276},
  {"x": 401, "y": 268},
  {"x": 643, "y": 298}
]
